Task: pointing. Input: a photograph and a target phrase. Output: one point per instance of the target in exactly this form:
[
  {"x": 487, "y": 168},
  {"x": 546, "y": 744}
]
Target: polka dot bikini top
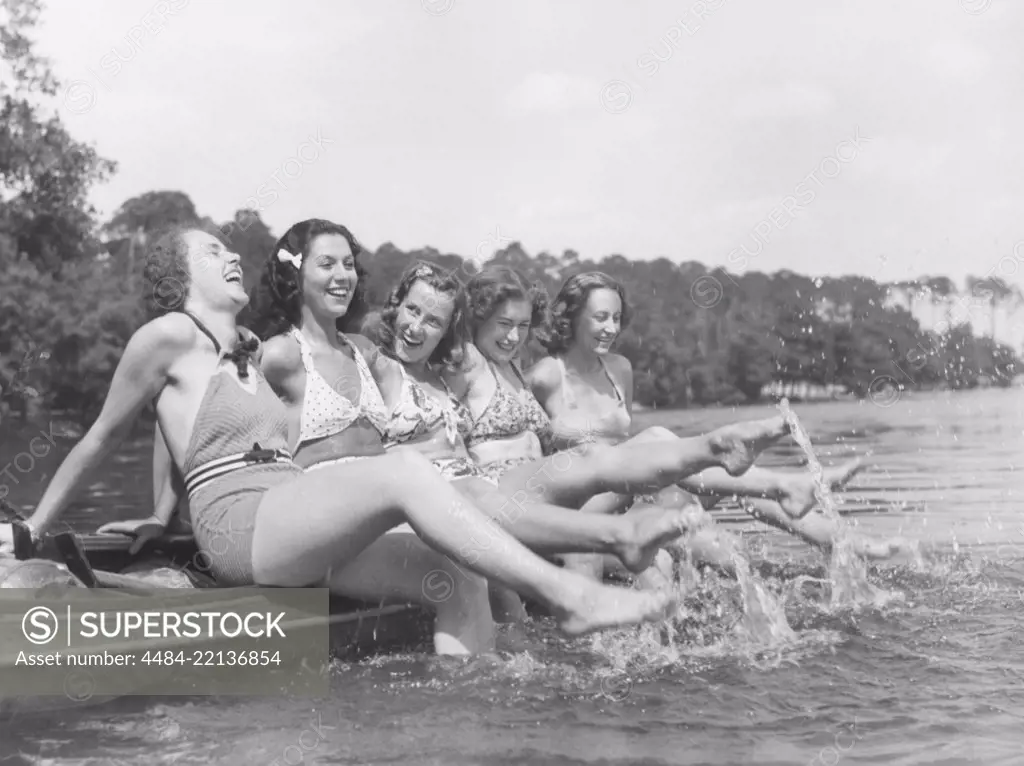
[{"x": 325, "y": 411}]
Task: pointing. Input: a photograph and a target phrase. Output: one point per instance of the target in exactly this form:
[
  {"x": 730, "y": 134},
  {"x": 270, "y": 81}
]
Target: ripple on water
[{"x": 935, "y": 675}]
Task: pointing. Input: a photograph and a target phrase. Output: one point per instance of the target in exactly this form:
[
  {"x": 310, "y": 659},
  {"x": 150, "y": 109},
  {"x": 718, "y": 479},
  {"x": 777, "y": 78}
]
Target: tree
[
  {"x": 995, "y": 291},
  {"x": 45, "y": 175},
  {"x": 151, "y": 212}
]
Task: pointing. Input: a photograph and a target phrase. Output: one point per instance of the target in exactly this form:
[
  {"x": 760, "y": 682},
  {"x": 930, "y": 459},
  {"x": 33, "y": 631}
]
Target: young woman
[
  {"x": 310, "y": 285},
  {"x": 588, "y": 393},
  {"x": 420, "y": 329},
  {"x": 227, "y": 433}
]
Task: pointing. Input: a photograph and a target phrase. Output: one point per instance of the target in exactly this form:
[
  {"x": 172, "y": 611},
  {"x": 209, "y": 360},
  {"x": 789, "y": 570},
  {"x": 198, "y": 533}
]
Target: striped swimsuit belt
[{"x": 204, "y": 474}]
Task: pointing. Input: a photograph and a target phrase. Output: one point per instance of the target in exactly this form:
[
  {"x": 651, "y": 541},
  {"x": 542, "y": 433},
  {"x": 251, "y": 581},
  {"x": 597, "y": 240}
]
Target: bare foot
[
  {"x": 657, "y": 577},
  {"x": 592, "y": 607},
  {"x": 652, "y": 528},
  {"x": 715, "y": 548},
  {"x": 796, "y": 491},
  {"x": 737, "y": 446}
]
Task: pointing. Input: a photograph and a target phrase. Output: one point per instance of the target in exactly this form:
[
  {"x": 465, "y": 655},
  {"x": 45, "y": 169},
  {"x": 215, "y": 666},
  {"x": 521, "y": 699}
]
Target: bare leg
[
  {"x": 571, "y": 478},
  {"x": 547, "y": 528},
  {"x": 709, "y": 545},
  {"x": 817, "y": 529},
  {"x": 307, "y": 526},
  {"x": 401, "y": 568},
  {"x": 793, "y": 491},
  {"x": 506, "y": 605},
  {"x": 589, "y": 564},
  {"x": 658, "y": 576},
  {"x": 553, "y": 529}
]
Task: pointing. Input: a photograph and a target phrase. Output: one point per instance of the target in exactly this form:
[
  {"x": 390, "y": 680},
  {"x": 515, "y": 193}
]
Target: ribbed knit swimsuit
[{"x": 238, "y": 450}]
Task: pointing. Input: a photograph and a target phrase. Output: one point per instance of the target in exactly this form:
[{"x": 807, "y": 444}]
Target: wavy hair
[
  {"x": 493, "y": 286},
  {"x": 569, "y": 304},
  {"x": 450, "y": 352},
  {"x": 167, "y": 275},
  {"x": 277, "y": 303}
]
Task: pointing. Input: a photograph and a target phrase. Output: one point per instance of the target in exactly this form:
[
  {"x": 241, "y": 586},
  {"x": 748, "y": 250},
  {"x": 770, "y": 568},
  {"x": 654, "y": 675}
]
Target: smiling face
[
  {"x": 599, "y": 323},
  {"x": 215, "y": 273},
  {"x": 504, "y": 334},
  {"x": 422, "y": 321},
  {"x": 329, "y": 275}
]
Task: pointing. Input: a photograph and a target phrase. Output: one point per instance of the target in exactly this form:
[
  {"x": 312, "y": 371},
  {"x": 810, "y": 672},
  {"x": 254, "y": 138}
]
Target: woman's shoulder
[
  {"x": 473, "y": 363},
  {"x": 619, "y": 364},
  {"x": 172, "y": 333},
  {"x": 365, "y": 346},
  {"x": 281, "y": 357},
  {"x": 545, "y": 374}
]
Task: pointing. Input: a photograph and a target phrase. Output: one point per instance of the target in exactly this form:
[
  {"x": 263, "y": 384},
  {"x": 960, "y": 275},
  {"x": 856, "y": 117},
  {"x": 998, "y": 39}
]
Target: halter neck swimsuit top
[
  {"x": 418, "y": 414},
  {"x": 233, "y": 419},
  {"x": 510, "y": 415},
  {"x": 238, "y": 451},
  {"x": 325, "y": 412},
  {"x": 574, "y": 426}
]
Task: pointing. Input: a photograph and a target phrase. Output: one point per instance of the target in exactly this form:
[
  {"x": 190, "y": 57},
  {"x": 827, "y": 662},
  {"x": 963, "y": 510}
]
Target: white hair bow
[{"x": 285, "y": 257}]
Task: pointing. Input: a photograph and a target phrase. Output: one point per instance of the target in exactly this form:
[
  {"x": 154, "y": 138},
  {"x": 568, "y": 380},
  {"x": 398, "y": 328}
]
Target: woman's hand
[{"x": 143, "y": 530}]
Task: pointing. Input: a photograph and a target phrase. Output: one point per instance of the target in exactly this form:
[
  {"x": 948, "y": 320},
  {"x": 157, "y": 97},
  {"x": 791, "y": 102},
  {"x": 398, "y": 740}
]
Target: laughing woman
[
  {"x": 228, "y": 435},
  {"x": 310, "y": 285},
  {"x": 420, "y": 328},
  {"x": 588, "y": 393}
]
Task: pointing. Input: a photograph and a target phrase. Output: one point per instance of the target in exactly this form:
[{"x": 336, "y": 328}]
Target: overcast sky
[{"x": 710, "y": 131}]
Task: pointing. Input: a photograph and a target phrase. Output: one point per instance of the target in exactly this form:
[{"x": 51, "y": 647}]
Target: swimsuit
[
  {"x": 510, "y": 415},
  {"x": 325, "y": 411},
  {"x": 418, "y": 414},
  {"x": 612, "y": 424},
  {"x": 238, "y": 450}
]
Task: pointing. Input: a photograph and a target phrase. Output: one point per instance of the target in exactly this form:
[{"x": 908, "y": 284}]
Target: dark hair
[
  {"x": 570, "y": 302},
  {"x": 493, "y": 286},
  {"x": 167, "y": 275},
  {"x": 277, "y": 303},
  {"x": 450, "y": 352}
]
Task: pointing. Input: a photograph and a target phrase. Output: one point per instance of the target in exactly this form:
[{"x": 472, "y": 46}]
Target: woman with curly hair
[
  {"x": 231, "y": 438},
  {"x": 588, "y": 393},
  {"x": 422, "y": 328},
  {"x": 507, "y": 432},
  {"x": 329, "y": 383}
]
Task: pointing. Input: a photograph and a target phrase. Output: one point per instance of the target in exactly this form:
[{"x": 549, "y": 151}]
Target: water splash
[
  {"x": 764, "y": 616},
  {"x": 847, "y": 571}
]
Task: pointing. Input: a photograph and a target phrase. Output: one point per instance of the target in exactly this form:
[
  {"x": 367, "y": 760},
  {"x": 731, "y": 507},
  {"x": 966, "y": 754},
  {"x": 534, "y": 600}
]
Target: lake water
[{"x": 936, "y": 676}]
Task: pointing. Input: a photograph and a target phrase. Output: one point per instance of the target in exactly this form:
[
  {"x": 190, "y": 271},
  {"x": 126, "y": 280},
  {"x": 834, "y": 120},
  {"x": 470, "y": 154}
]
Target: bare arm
[
  {"x": 543, "y": 379},
  {"x": 386, "y": 371},
  {"x": 281, "y": 364},
  {"x": 141, "y": 374},
  {"x": 464, "y": 382},
  {"x": 625, "y": 368},
  {"x": 168, "y": 487}
]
